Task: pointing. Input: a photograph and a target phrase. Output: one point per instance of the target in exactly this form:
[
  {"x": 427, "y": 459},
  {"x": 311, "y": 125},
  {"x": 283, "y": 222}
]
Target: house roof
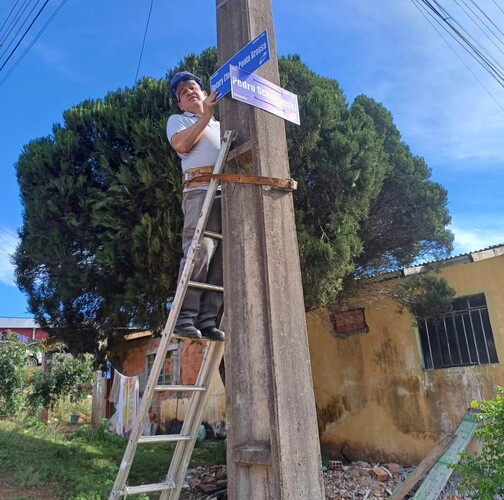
[
  {"x": 6, "y": 323},
  {"x": 465, "y": 258}
]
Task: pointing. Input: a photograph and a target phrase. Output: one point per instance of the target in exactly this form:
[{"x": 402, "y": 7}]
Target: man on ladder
[{"x": 195, "y": 136}]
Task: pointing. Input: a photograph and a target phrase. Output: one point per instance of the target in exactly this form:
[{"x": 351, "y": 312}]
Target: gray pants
[{"x": 201, "y": 307}]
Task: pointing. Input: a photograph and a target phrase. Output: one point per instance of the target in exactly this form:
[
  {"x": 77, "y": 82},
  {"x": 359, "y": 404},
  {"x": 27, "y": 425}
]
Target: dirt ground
[{"x": 9, "y": 491}]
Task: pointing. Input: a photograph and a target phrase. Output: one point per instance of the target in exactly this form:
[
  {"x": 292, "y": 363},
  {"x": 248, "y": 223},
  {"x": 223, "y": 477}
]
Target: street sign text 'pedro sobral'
[{"x": 261, "y": 93}]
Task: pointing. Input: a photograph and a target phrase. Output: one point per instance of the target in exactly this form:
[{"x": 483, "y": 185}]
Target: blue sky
[{"x": 449, "y": 111}]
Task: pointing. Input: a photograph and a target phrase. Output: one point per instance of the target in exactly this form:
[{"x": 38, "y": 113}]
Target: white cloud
[
  {"x": 8, "y": 244},
  {"x": 471, "y": 238},
  {"x": 395, "y": 56},
  {"x": 57, "y": 58}
]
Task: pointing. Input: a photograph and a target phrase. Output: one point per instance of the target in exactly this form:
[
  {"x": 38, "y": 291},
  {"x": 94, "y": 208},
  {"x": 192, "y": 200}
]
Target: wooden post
[
  {"x": 99, "y": 401},
  {"x": 273, "y": 442}
]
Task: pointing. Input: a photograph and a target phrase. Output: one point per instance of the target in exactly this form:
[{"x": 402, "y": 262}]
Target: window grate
[
  {"x": 170, "y": 371},
  {"x": 461, "y": 338}
]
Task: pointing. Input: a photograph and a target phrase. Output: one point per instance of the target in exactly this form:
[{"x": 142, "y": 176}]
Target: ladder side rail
[
  {"x": 150, "y": 387},
  {"x": 183, "y": 451},
  {"x": 125, "y": 466}
]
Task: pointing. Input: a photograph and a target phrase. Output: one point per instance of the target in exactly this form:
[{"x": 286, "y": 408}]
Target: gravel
[{"x": 347, "y": 482}]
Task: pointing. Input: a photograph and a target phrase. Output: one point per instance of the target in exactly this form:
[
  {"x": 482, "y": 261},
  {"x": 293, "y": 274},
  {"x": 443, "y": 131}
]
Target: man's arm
[{"x": 183, "y": 141}]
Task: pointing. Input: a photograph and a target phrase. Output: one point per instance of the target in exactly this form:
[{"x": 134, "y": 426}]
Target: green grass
[{"x": 84, "y": 466}]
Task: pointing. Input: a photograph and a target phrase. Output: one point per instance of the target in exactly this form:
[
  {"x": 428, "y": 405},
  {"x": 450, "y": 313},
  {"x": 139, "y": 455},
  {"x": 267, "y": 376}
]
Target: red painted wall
[
  {"x": 31, "y": 333},
  {"x": 129, "y": 358}
]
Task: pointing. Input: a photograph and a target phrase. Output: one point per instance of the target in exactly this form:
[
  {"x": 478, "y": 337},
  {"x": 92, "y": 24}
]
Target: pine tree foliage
[
  {"x": 100, "y": 242},
  {"x": 365, "y": 204}
]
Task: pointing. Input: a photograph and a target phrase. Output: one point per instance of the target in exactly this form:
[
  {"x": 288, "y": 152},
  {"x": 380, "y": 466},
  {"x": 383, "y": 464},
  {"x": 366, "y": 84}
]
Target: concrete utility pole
[{"x": 273, "y": 442}]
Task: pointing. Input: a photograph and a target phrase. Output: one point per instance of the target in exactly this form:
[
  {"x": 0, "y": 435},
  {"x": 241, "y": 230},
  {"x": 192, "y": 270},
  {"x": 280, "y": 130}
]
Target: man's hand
[{"x": 209, "y": 103}]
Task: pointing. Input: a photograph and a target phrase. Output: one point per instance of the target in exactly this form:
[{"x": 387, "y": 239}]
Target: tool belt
[
  {"x": 191, "y": 176},
  {"x": 203, "y": 175}
]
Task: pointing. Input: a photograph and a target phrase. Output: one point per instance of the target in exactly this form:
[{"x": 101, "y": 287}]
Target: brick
[
  {"x": 207, "y": 488},
  {"x": 335, "y": 465},
  {"x": 394, "y": 468},
  {"x": 380, "y": 474}
]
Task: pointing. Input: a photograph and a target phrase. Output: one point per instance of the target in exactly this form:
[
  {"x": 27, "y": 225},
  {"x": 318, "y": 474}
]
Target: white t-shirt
[{"x": 206, "y": 150}]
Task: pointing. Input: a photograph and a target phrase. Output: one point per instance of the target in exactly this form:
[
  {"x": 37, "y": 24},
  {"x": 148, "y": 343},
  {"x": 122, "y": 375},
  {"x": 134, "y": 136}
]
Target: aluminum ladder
[{"x": 170, "y": 488}]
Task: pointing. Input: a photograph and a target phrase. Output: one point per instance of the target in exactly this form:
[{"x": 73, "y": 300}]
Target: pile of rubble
[
  {"x": 205, "y": 483},
  {"x": 359, "y": 480},
  {"x": 362, "y": 480}
]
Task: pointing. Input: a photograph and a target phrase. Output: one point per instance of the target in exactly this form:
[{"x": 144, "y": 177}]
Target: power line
[
  {"x": 7, "y": 18},
  {"x": 143, "y": 43},
  {"x": 24, "y": 34},
  {"x": 33, "y": 42},
  {"x": 5, "y": 230},
  {"x": 464, "y": 39},
  {"x": 482, "y": 31},
  {"x": 4, "y": 242},
  {"x": 20, "y": 27},
  {"x": 498, "y": 6},
  {"x": 479, "y": 8},
  {"x": 418, "y": 5},
  {"x": 482, "y": 26},
  {"x": 14, "y": 21}
]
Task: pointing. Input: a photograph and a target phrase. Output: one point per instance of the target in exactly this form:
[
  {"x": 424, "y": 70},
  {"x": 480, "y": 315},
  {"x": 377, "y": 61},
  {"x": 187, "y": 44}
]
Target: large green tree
[{"x": 100, "y": 242}]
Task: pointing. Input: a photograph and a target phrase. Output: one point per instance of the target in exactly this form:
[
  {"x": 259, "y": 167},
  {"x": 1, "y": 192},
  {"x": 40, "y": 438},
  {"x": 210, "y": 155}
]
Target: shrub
[
  {"x": 482, "y": 474},
  {"x": 424, "y": 296},
  {"x": 12, "y": 375},
  {"x": 65, "y": 377}
]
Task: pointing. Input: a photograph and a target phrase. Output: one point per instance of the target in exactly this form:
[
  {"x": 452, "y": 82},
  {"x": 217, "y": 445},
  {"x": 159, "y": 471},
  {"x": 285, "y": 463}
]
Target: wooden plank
[
  {"x": 423, "y": 468},
  {"x": 441, "y": 472}
]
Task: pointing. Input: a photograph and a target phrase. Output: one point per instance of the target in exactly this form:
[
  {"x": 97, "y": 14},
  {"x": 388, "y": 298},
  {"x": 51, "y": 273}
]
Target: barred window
[
  {"x": 170, "y": 371},
  {"x": 461, "y": 338}
]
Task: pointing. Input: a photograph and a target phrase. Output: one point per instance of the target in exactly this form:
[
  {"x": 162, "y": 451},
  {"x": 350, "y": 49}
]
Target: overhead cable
[
  {"x": 21, "y": 25},
  {"x": 468, "y": 43},
  {"x": 24, "y": 34},
  {"x": 143, "y": 43},
  {"x": 7, "y": 18},
  {"x": 14, "y": 21},
  {"x": 33, "y": 42},
  {"x": 421, "y": 9}
]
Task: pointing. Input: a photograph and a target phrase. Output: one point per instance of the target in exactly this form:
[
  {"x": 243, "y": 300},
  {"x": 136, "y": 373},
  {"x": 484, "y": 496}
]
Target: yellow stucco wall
[{"x": 374, "y": 400}]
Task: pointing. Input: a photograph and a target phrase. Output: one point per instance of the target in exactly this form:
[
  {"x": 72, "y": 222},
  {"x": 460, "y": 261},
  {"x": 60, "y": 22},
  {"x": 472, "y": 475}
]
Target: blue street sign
[
  {"x": 261, "y": 93},
  {"x": 249, "y": 58}
]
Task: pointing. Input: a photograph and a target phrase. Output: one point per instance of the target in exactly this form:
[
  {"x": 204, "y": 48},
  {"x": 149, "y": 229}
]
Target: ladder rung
[
  {"x": 148, "y": 488},
  {"x": 180, "y": 388},
  {"x": 164, "y": 438},
  {"x": 211, "y": 234},
  {"x": 206, "y": 286}
]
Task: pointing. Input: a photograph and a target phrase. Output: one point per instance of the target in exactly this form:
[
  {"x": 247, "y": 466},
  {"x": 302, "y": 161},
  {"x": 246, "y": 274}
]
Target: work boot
[
  {"x": 187, "y": 331},
  {"x": 213, "y": 333}
]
